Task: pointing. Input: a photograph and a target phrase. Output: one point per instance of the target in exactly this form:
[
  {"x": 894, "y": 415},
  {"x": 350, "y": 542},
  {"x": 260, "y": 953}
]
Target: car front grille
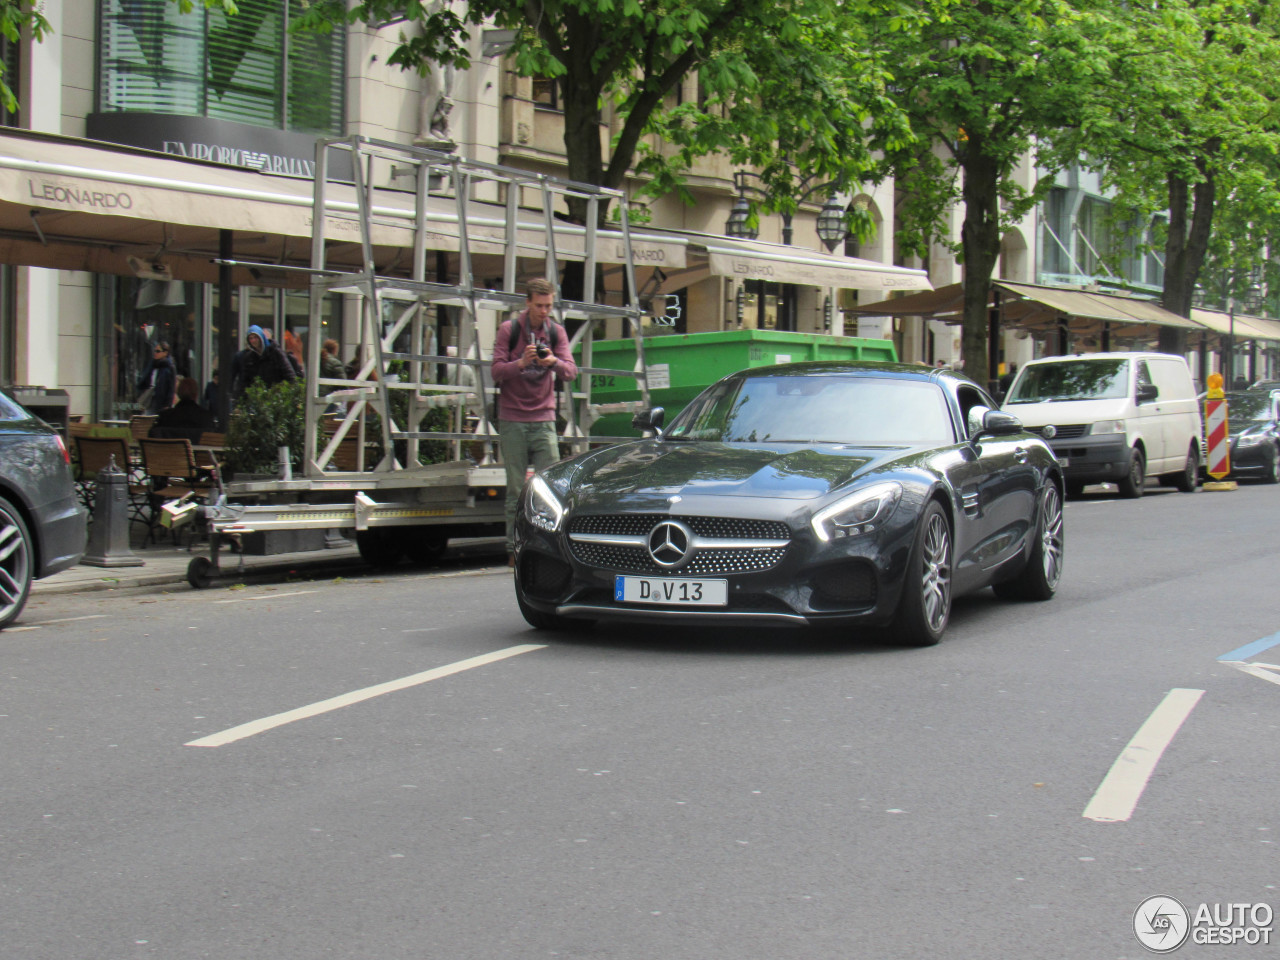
[
  {"x": 639, "y": 524},
  {"x": 708, "y": 560},
  {"x": 1064, "y": 431}
]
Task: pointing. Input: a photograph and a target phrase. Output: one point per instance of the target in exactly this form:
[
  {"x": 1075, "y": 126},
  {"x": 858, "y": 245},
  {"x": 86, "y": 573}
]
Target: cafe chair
[
  {"x": 140, "y": 426},
  {"x": 172, "y": 469},
  {"x": 92, "y": 456}
]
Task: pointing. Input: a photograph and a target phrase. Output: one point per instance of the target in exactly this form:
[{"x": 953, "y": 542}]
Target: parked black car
[
  {"x": 1253, "y": 424},
  {"x": 808, "y": 493},
  {"x": 42, "y": 523}
]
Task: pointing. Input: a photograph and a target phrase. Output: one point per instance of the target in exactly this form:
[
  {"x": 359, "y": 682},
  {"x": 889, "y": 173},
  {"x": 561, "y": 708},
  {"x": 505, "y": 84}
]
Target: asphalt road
[{"x": 641, "y": 794}]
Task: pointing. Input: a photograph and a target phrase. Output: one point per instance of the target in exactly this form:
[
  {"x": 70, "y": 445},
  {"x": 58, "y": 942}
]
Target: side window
[{"x": 1144, "y": 376}]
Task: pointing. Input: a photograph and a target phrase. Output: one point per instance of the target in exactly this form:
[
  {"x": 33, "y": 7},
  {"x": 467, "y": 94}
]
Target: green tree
[
  {"x": 984, "y": 83},
  {"x": 1188, "y": 120},
  {"x": 786, "y": 80}
]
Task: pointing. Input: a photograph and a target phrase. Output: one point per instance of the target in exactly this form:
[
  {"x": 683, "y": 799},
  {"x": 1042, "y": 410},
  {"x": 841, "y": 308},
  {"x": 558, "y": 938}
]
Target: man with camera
[{"x": 529, "y": 354}]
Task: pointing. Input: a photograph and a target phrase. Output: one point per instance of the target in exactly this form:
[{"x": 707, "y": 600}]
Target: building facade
[{"x": 153, "y": 147}]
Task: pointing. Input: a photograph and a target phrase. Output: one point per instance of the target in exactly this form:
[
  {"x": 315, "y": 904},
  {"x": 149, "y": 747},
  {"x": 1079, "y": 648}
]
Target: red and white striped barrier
[{"x": 1217, "y": 437}]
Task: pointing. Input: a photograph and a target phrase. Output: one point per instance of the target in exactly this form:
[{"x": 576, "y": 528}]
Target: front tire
[
  {"x": 1188, "y": 479},
  {"x": 1134, "y": 482},
  {"x": 16, "y": 558},
  {"x": 1039, "y": 579},
  {"x": 1271, "y": 474},
  {"x": 379, "y": 546},
  {"x": 925, "y": 607},
  {"x": 423, "y": 544}
]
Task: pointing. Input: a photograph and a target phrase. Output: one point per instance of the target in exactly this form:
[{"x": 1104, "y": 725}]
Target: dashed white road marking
[
  {"x": 356, "y": 696},
  {"x": 1122, "y": 787},
  {"x": 91, "y": 616},
  {"x": 267, "y": 596}
]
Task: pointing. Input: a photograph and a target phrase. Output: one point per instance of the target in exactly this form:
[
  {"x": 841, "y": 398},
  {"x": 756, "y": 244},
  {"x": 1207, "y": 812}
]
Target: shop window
[
  {"x": 247, "y": 68},
  {"x": 764, "y": 306},
  {"x": 138, "y": 314}
]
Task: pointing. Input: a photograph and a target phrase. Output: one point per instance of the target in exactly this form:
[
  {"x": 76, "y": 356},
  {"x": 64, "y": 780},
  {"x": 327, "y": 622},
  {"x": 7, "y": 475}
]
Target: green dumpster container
[{"x": 682, "y": 365}]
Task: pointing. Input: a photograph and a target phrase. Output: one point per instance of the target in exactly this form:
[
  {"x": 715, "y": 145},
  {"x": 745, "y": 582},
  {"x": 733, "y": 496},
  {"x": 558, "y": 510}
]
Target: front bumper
[
  {"x": 1250, "y": 460},
  {"x": 1093, "y": 459},
  {"x": 857, "y": 581}
]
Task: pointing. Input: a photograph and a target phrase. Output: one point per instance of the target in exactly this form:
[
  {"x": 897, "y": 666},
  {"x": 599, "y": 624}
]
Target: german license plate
[{"x": 685, "y": 593}]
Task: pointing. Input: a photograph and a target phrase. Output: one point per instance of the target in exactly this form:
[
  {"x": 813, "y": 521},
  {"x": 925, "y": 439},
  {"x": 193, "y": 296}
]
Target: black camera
[{"x": 544, "y": 351}]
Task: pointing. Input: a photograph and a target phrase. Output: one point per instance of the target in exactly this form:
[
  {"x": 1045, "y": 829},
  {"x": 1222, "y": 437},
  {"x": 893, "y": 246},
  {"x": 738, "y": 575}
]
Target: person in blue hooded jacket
[{"x": 261, "y": 359}]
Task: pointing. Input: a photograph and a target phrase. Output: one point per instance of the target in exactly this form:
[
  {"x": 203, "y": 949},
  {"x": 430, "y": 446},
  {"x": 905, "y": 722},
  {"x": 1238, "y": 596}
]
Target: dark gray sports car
[
  {"x": 807, "y": 493},
  {"x": 42, "y": 524}
]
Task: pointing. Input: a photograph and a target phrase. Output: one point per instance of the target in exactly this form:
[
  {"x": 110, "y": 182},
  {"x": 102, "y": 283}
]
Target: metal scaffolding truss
[{"x": 490, "y": 220}]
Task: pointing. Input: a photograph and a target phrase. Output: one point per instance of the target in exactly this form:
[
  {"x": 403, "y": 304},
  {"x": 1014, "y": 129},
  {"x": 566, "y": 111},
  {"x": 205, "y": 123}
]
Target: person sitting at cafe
[{"x": 186, "y": 418}]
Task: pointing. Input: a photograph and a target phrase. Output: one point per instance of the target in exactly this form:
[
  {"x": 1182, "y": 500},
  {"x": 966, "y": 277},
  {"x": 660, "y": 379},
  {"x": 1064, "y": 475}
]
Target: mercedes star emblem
[{"x": 671, "y": 544}]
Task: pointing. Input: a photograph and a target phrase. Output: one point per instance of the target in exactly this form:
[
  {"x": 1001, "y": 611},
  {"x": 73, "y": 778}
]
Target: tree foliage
[
  {"x": 1189, "y": 121},
  {"x": 786, "y": 86},
  {"x": 984, "y": 83}
]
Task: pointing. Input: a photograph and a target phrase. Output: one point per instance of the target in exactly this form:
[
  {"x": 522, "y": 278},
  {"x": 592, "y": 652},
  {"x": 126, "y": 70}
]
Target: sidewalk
[{"x": 166, "y": 563}]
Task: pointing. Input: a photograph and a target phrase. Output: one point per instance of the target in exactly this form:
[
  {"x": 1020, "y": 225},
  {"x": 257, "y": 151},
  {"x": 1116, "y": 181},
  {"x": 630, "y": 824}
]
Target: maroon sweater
[{"x": 528, "y": 395}]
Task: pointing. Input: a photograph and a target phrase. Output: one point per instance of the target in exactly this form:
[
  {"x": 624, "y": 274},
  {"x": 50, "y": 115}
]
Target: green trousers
[{"x": 524, "y": 445}]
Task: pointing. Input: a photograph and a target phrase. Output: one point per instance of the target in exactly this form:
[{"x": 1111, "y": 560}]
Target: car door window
[{"x": 1144, "y": 376}]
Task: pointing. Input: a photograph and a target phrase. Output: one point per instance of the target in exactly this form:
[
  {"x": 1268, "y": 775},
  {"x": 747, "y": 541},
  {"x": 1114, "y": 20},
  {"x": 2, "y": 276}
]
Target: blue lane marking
[{"x": 1252, "y": 649}]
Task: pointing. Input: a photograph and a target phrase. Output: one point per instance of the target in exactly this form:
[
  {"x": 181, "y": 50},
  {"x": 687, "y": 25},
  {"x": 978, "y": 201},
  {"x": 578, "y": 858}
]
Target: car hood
[
  {"x": 660, "y": 470},
  {"x": 1044, "y": 412}
]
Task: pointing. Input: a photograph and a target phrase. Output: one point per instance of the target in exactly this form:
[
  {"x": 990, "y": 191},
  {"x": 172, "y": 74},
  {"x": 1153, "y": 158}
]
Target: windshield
[
  {"x": 1248, "y": 406},
  {"x": 1083, "y": 379},
  {"x": 817, "y": 409}
]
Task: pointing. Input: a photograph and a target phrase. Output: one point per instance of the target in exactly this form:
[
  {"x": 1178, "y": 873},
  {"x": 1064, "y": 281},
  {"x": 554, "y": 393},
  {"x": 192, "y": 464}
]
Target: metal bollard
[{"x": 109, "y": 531}]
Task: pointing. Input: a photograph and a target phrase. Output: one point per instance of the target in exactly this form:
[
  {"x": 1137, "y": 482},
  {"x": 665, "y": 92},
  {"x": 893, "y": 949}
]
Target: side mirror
[
  {"x": 995, "y": 423},
  {"x": 649, "y": 421},
  {"x": 1147, "y": 392}
]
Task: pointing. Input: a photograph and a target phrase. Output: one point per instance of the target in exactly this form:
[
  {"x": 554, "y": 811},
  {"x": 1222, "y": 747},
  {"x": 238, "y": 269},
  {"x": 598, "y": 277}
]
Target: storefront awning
[
  {"x": 754, "y": 260},
  {"x": 1245, "y": 327},
  {"x": 80, "y": 205},
  {"x": 1109, "y": 308},
  {"x": 941, "y": 302},
  {"x": 1037, "y": 306}
]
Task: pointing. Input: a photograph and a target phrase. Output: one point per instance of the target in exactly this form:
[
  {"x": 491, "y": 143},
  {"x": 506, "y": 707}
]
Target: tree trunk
[
  {"x": 980, "y": 246},
  {"x": 582, "y": 126},
  {"x": 1185, "y": 249}
]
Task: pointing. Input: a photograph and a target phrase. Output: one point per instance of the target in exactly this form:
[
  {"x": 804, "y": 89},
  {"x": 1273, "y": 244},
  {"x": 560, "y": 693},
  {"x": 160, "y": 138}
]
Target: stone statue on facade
[{"x": 436, "y": 105}]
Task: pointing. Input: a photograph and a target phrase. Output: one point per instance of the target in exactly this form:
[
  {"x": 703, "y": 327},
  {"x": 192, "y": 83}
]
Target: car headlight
[
  {"x": 543, "y": 508},
  {"x": 861, "y": 512},
  {"x": 1249, "y": 439},
  {"x": 1107, "y": 426}
]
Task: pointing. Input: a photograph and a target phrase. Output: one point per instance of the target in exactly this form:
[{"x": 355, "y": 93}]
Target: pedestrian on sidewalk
[
  {"x": 261, "y": 359},
  {"x": 159, "y": 377},
  {"x": 530, "y": 353}
]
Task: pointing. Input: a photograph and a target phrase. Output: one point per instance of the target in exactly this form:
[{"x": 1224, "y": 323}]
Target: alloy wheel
[
  {"x": 936, "y": 583},
  {"x": 1051, "y": 536},
  {"x": 15, "y": 564}
]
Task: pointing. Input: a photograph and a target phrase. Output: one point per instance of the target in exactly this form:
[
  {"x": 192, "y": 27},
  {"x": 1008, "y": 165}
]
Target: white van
[{"x": 1113, "y": 417}]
